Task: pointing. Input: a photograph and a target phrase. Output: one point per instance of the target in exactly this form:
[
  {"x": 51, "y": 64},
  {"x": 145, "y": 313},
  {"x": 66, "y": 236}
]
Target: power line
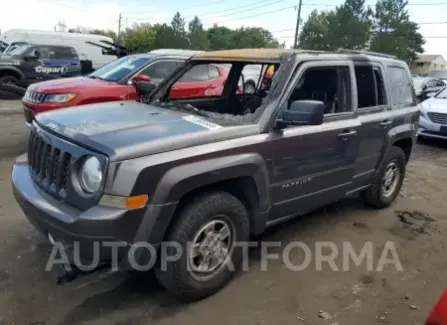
[
  {"x": 74, "y": 7},
  {"x": 260, "y": 14},
  {"x": 406, "y": 37},
  {"x": 174, "y": 10},
  {"x": 231, "y": 9},
  {"x": 409, "y": 4},
  {"x": 420, "y": 23}
]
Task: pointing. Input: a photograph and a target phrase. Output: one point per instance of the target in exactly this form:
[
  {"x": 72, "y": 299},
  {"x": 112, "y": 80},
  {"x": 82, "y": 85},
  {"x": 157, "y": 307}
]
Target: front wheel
[
  {"x": 207, "y": 230},
  {"x": 388, "y": 180}
]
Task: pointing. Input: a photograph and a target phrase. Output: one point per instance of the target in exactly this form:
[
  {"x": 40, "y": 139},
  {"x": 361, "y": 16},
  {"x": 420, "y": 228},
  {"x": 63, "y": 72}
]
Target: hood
[
  {"x": 128, "y": 129},
  {"x": 65, "y": 85},
  {"x": 436, "y": 105}
]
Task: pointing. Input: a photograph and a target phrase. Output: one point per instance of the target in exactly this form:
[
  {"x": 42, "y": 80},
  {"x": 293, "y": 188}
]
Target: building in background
[{"x": 426, "y": 63}]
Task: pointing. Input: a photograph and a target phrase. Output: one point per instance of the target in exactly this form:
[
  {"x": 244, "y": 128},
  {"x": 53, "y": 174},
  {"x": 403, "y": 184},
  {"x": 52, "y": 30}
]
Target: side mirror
[
  {"x": 144, "y": 88},
  {"x": 141, "y": 77},
  {"x": 304, "y": 112}
]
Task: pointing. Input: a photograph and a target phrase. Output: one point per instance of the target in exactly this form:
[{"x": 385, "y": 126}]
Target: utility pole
[
  {"x": 120, "y": 18},
  {"x": 298, "y": 20}
]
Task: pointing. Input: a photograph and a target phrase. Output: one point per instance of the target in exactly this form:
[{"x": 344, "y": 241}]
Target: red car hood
[{"x": 67, "y": 85}]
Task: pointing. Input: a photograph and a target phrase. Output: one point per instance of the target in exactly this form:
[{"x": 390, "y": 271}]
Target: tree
[
  {"x": 198, "y": 38},
  {"x": 394, "y": 32},
  {"x": 253, "y": 37},
  {"x": 139, "y": 38},
  {"x": 348, "y": 26},
  {"x": 351, "y": 25},
  {"x": 315, "y": 34},
  {"x": 220, "y": 38},
  {"x": 164, "y": 37},
  {"x": 180, "y": 37}
]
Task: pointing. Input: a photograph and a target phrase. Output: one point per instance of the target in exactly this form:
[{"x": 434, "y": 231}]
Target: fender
[
  {"x": 13, "y": 70},
  {"x": 185, "y": 178}
]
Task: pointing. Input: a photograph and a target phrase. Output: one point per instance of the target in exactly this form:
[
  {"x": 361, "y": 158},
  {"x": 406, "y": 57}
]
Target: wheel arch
[{"x": 243, "y": 176}]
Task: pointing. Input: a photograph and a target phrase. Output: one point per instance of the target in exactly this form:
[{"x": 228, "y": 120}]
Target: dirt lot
[{"x": 276, "y": 296}]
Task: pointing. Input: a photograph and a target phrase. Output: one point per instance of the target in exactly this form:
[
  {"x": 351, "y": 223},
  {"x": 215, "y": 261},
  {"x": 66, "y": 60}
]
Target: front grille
[
  {"x": 35, "y": 97},
  {"x": 50, "y": 166},
  {"x": 440, "y": 118}
]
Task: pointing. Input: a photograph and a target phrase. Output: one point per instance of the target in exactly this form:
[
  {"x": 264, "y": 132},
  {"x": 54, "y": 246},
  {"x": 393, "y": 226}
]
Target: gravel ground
[{"x": 415, "y": 224}]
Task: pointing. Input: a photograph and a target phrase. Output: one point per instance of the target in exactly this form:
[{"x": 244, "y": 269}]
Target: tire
[
  {"x": 376, "y": 196},
  {"x": 9, "y": 79},
  {"x": 182, "y": 281},
  {"x": 249, "y": 86}
]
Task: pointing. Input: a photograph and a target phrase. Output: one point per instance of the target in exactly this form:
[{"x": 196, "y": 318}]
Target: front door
[{"x": 311, "y": 166}]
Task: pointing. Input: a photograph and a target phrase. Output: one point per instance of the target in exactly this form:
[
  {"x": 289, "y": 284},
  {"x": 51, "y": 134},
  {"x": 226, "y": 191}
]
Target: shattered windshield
[{"x": 206, "y": 90}]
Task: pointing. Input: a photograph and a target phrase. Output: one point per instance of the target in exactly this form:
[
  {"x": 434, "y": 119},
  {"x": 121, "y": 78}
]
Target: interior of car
[{"x": 232, "y": 99}]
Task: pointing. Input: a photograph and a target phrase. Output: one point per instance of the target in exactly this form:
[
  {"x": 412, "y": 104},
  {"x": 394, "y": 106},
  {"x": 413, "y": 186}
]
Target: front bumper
[
  {"x": 89, "y": 235},
  {"x": 431, "y": 130}
]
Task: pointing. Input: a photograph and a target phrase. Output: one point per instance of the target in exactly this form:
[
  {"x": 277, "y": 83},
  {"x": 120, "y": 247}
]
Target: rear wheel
[
  {"x": 387, "y": 181},
  {"x": 207, "y": 230}
]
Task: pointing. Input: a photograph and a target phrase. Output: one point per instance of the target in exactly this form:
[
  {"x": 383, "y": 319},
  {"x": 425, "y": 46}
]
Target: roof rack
[{"x": 347, "y": 51}]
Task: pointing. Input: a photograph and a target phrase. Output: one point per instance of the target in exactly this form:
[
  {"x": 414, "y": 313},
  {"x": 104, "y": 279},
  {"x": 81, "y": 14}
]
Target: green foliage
[
  {"x": 394, "y": 32},
  {"x": 145, "y": 36},
  {"x": 139, "y": 38},
  {"x": 220, "y": 38},
  {"x": 355, "y": 26},
  {"x": 198, "y": 37}
]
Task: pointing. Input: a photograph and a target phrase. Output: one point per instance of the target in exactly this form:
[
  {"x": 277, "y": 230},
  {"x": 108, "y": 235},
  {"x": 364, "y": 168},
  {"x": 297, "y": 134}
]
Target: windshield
[
  {"x": 19, "y": 50},
  {"x": 442, "y": 94},
  {"x": 418, "y": 82},
  {"x": 118, "y": 69}
]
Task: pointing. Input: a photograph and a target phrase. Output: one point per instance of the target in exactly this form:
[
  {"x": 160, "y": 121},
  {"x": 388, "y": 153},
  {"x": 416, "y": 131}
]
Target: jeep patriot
[{"x": 208, "y": 172}]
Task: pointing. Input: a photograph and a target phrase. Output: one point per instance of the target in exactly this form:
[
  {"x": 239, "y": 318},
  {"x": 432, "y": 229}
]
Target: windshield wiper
[{"x": 95, "y": 77}]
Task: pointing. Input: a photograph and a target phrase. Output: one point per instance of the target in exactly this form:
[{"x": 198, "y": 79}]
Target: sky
[{"x": 278, "y": 16}]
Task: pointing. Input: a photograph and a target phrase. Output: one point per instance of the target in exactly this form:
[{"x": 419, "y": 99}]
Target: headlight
[
  {"x": 422, "y": 110},
  {"x": 91, "y": 175},
  {"x": 59, "y": 98}
]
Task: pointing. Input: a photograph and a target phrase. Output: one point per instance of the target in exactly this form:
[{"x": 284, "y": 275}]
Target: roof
[
  {"x": 275, "y": 55},
  {"x": 180, "y": 52},
  {"x": 427, "y": 58},
  {"x": 244, "y": 54}
]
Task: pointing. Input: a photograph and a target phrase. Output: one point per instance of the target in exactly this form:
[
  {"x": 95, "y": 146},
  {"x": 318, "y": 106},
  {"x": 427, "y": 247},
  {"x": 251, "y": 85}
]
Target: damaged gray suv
[{"x": 209, "y": 170}]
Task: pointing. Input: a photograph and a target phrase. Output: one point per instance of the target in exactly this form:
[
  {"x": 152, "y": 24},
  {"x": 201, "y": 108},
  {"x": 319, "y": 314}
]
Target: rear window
[
  {"x": 401, "y": 86},
  {"x": 118, "y": 69}
]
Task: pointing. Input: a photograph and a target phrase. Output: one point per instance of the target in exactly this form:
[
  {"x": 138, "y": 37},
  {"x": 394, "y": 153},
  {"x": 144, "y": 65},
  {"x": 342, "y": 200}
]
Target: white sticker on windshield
[{"x": 197, "y": 120}]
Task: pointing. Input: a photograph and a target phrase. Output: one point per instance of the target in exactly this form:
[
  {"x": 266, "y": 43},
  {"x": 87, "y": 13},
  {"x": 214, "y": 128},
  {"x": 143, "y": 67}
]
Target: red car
[
  {"x": 438, "y": 315},
  {"x": 116, "y": 81}
]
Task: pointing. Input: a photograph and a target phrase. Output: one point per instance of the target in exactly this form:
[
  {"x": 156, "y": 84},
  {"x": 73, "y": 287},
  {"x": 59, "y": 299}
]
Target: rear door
[{"x": 376, "y": 118}]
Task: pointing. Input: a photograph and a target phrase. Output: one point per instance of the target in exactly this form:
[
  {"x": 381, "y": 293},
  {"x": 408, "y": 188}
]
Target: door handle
[
  {"x": 385, "y": 123},
  {"x": 344, "y": 135}
]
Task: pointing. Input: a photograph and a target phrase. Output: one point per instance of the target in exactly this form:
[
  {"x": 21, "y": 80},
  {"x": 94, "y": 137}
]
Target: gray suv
[{"x": 207, "y": 172}]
